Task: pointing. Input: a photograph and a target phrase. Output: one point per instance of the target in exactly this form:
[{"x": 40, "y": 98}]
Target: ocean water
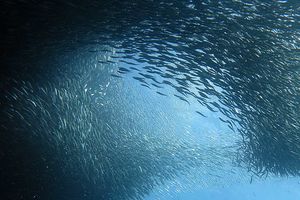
[{"x": 150, "y": 100}]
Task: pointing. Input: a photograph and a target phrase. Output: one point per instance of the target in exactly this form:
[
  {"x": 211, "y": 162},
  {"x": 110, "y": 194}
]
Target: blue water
[
  {"x": 270, "y": 189},
  {"x": 150, "y": 100}
]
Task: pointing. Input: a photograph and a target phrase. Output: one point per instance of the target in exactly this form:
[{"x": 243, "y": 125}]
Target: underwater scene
[{"x": 150, "y": 100}]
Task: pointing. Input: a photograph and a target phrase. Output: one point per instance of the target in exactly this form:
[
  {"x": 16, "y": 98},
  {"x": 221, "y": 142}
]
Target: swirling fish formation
[
  {"x": 59, "y": 137},
  {"x": 244, "y": 54}
]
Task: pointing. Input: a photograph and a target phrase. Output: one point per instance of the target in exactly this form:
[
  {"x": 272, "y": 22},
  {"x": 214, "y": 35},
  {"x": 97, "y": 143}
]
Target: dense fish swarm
[
  {"x": 66, "y": 145},
  {"x": 235, "y": 57}
]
